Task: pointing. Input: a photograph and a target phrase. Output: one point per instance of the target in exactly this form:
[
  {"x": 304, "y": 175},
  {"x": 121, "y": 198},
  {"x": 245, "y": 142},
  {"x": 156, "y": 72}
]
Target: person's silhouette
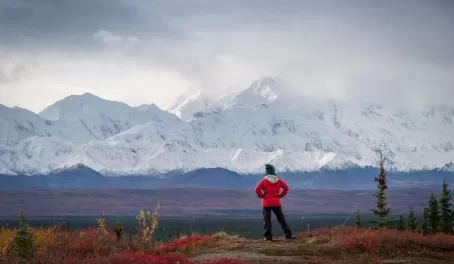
[{"x": 269, "y": 190}]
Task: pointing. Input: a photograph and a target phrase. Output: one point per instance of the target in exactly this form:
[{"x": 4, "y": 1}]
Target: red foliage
[
  {"x": 123, "y": 258},
  {"x": 87, "y": 243},
  {"x": 186, "y": 244},
  {"x": 324, "y": 231},
  {"x": 388, "y": 242},
  {"x": 126, "y": 258},
  {"x": 89, "y": 247}
]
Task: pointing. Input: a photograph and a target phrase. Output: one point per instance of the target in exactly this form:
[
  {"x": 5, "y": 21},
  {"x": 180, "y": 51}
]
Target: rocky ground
[{"x": 301, "y": 250}]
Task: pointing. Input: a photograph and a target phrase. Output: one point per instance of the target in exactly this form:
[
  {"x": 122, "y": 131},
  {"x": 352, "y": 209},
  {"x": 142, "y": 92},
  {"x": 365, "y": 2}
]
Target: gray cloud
[
  {"x": 351, "y": 50},
  {"x": 62, "y": 22}
]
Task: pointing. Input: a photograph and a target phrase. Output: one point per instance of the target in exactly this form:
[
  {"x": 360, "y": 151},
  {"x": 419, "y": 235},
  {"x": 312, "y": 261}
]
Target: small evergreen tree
[
  {"x": 118, "y": 229},
  {"x": 446, "y": 220},
  {"x": 381, "y": 211},
  {"x": 433, "y": 215},
  {"x": 425, "y": 224},
  {"x": 23, "y": 241},
  {"x": 177, "y": 233},
  {"x": 412, "y": 222},
  {"x": 401, "y": 225},
  {"x": 452, "y": 220},
  {"x": 130, "y": 238},
  {"x": 358, "y": 219}
]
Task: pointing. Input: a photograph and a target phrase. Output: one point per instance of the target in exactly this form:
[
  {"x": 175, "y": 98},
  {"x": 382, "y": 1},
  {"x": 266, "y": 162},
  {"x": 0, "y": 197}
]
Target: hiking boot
[
  {"x": 289, "y": 236},
  {"x": 268, "y": 238}
]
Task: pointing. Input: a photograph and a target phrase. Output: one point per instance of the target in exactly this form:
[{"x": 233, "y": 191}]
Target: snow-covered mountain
[
  {"x": 86, "y": 117},
  {"x": 266, "y": 123},
  {"x": 17, "y": 124}
]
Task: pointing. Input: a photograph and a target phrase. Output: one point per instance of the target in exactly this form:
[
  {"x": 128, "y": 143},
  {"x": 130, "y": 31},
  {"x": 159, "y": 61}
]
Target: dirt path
[
  {"x": 259, "y": 251},
  {"x": 299, "y": 251}
]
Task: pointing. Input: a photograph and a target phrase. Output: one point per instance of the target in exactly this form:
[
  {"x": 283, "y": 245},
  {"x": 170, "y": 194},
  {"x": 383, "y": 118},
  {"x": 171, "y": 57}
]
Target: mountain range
[{"x": 268, "y": 122}]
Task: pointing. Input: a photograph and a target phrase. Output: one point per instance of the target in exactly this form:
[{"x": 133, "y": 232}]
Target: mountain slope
[
  {"x": 17, "y": 124},
  {"x": 190, "y": 106},
  {"x": 95, "y": 118},
  {"x": 187, "y": 104}
]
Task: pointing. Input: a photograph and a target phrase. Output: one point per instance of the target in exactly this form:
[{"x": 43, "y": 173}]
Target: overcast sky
[{"x": 150, "y": 51}]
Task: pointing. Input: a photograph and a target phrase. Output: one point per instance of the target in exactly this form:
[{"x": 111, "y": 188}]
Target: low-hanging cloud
[
  {"x": 150, "y": 51},
  {"x": 117, "y": 42}
]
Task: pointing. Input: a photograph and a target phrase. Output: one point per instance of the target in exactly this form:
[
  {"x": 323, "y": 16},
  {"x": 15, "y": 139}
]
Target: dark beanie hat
[{"x": 269, "y": 169}]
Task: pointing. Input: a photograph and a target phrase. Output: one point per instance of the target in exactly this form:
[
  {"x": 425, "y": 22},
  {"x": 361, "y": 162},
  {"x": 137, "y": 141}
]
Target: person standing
[{"x": 269, "y": 190}]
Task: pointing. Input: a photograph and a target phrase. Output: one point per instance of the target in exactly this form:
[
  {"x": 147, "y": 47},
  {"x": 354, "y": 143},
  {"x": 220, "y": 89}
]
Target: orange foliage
[
  {"x": 44, "y": 239},
  {"x": 6, "y": 241}
]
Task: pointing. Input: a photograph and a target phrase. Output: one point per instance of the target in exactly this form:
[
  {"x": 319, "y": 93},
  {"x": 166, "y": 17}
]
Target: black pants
[{"x": 280, "y": 218}]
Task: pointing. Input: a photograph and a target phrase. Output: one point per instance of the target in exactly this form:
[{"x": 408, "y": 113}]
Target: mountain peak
[
  {"x": 87, "y": 94},
  {"x": 79, "y": 105},
  {"x": 267, "y": 80},
  {"x": 84, "y": 98},
  {"x": 263, "y": 90},
  {"x": 147, "y": 107},
  {"x": 266, "y": 87}
]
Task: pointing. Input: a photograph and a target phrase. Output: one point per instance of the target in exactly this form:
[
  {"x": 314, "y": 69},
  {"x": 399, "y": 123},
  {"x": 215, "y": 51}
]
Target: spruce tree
[
  {"x": 381, "y": 211},
  {"x": 118, "y": 229},
  {"x": 177, "y": 231},
  {"x": 412, "y": 222},
  {"x": 425, "y": 224},
  {"x": 452, "y": 220},
  {"x": 433, "y": 214},
  {"x": 401, "y": 225},
  {"x": 358, "y": 219},
  {"x": 23, "y": 242},
  {"x": 446, "y": 221}
]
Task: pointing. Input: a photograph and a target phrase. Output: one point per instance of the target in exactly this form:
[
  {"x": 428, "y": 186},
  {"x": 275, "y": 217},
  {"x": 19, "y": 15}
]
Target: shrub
[
  {"x": 186, "y": 244},
  {"x": 387, "y": 242},
  {"x": 95, "y": 245},
  {"x": 148, "y": 223},
  {"x": 6, "y": 241},
  {"x": 101, "y": 228},
  {"x": 44, "y": 239},
  {"x": 88, "y": 243}
]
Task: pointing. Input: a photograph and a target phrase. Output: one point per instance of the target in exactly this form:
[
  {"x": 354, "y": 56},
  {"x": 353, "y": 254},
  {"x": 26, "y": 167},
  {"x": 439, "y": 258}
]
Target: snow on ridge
[
  {"x": 6, "y": 172},
  {"x": 122, "y": 158},
  {"x": 183, "y": 102},
  {"x": 264, "y": 87}
]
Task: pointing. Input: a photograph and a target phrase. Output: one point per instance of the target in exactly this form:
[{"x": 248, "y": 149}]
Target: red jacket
[{"x": 268, "y": 189}]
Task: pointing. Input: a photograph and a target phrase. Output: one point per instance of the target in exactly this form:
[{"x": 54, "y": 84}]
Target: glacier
[{"x": 268, "y": 122}]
